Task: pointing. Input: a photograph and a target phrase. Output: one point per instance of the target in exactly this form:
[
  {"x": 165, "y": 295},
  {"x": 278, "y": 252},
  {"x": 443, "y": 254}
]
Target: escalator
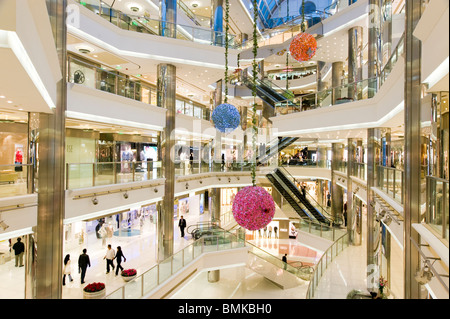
[
  {"x": 294, "y": 204},
  {"x": 274, "y": 147},
  {"x": 303, "y": 199}
]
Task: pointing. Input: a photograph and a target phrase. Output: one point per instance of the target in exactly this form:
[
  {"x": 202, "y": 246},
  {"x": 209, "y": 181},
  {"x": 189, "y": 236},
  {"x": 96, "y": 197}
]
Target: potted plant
[
  {"x": 128, "y": 274},
  {"x": 95, "y": 290}
]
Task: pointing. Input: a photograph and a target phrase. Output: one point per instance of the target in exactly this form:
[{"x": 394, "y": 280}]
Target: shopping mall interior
[{"x": 305, "y": 144}]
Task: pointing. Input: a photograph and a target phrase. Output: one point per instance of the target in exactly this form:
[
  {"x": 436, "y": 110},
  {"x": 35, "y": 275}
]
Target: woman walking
[
  {"x": 119, "y": 256},
  {"x": 67, "y": 269}
]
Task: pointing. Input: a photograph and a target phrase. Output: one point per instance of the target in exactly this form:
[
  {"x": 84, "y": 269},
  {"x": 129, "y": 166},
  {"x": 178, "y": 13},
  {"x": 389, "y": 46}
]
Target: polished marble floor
[{"x": 345, "y": 273}]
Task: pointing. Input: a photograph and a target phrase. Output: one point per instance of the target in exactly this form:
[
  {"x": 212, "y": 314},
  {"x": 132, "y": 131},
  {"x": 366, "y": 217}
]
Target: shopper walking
[
  {"x": 67, "y": 269},
  {"x": 182, "y": 225},
  {"x": 345, "y": 214},
  {"x": 284, "y": 259},
  {"x": 270, "y": 231},
  {"x": 110, "y": 255},
  {"x": 191, "y": 162},
  {"x": 275, "y": 231},
  {"x": 119, "y": 256},
  {"x": 19, "y": 249},
  {"x": 83, "y": 263}
]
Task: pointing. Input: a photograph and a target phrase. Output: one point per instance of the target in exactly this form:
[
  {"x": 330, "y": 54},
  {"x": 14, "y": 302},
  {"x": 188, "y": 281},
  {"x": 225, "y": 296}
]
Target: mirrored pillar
[
  {"x": 412, "y": 117},
  {"x": 373, "y": 227},
  {"x": 355, "y": 51},
  {"x": 337, "y": 70},
  {"x": 166, "y": 96},
  {"x": 337, "y": 193},
  {"x": 217, "y": 18},
  {"x": 374, "y": 45},
  {"x": 168, "y": 18},
  {"x": 48, "y": 236},
  {"x": 354, "y": 237},
  {"x": 319, "y": 76}
]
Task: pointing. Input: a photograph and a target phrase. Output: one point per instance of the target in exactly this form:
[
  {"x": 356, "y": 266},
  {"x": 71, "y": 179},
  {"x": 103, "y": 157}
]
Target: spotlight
[
  {"x": 95, "y": 201},
  {"x": 3, "y": 225},
  {"x": 379, "y": 216},
  {"x": 424, "y": 275},
  {"x": 387, "y": 220},
  {"x": 229, "y": 179},
  {"x": 201, "y": 182},
  {"x": 125, "y": 195},
  {"x": 155, "y": 190},
  {"x": 187, "y": 186}
]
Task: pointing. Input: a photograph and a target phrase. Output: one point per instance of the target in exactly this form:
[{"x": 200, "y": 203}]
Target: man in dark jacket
[
  {"x": 182, "y": 225},
  {"x": 83, "y": 263},
  {"x": 19, "y": 249}
]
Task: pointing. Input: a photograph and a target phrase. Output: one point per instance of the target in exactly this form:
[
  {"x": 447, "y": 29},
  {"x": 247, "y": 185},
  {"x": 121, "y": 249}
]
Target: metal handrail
[{"x": 315, "y": 278}]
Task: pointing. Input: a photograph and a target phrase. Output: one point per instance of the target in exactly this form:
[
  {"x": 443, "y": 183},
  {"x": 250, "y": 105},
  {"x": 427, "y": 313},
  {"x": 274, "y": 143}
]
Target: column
[
  {"x": 411, "y": 207},
  {"x": 166, "y": 97},
  {"x": 320, "y": 83},
  {"x": 373, "y": 231},
  {"x": 337, "y": 69},
  {"x": 168, "y": 17},
  {"x": 337, "y": 205},
  {"x": 321, "y": 154},
  {"x": 215, "y": 204},
  {"x": 355, "y": 46},
  {"x": 374, "y": 49},
  {"x": 43, "y": 266},
  {"x": 354, "y": 237},
  {"x": 217, "y": 142},
  {"x": 217, "y": 21}
]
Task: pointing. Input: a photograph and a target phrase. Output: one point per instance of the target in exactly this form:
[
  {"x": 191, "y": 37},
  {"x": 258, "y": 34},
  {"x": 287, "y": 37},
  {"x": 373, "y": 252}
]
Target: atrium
[{"x": 224, "y": 149}]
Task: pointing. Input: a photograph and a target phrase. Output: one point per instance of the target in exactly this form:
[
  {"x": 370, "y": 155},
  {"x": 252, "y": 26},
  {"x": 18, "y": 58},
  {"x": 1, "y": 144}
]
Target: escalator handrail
[
  {"x": 285, "y": 192},
  {"x": 310, "y": 196}
]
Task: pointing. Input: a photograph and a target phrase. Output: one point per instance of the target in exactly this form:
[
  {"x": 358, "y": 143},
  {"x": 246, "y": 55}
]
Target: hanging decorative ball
[
  {"x": 303, "y": 47},
  {"x": 226, "y": 118},
  {"x": 253, "y": 208}
]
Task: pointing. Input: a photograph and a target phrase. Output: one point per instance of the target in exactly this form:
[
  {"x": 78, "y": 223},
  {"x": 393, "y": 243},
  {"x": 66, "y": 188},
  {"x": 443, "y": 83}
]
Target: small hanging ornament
[{"x": 253, "y": 208}]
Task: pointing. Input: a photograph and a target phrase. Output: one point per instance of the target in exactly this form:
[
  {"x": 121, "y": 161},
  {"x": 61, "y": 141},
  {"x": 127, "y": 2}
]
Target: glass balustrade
[
  {"x": 330, "y": 254},
  {"x": 15, "y": 180},
  {"x": 82, "y": 175},
  {"x": 144, "y": 283},
  {"x": 360, "y": 170},
  {"x": 349, "y": 92},
  {"x": 143, "y": 24},
  {"x": 437, "y": 201},
  {"x": 390, "y": 181}
]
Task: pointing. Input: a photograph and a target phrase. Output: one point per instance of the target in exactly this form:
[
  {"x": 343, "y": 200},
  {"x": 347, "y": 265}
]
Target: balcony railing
[
  {"x": 360, "y": 170},
  {"x": 350, "y": 92},
  {"x": 89, "y": 75},
  {"x": 391, "y": 180},
  {"x": 143, "y": 24},
  {"x": 437, "y": 205},
  {"x": 330, "y": 254},
  {"x": 82, "y": 175},
  {"x": 16, "y": 179},
  {"x": 144, "y": 283}
]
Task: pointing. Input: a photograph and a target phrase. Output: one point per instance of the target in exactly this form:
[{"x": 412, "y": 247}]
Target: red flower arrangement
[
  {"x": 94, "y": 287},
  {"x": 303, "y": 47},
  {"x": 129, "y": 272}
]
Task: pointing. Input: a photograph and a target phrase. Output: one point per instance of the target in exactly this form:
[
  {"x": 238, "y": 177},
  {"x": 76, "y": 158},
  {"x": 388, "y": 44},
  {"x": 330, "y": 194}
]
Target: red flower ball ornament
[
  {"x": 303, "y": 47},
  {"x": 253, "y": 208}
]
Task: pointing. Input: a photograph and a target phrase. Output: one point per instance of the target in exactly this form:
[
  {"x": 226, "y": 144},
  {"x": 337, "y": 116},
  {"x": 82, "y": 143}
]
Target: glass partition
[
  {"x": 330, "y": 254},
  {"x": 144, "y": 283},
  {"x": 82, "y": 175},
  {"x": 144, "y": 24},
  {"x": 15, "y": 179},
  {"x": 437, "y": 205},
  {"x": 390, "y": 180}
]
